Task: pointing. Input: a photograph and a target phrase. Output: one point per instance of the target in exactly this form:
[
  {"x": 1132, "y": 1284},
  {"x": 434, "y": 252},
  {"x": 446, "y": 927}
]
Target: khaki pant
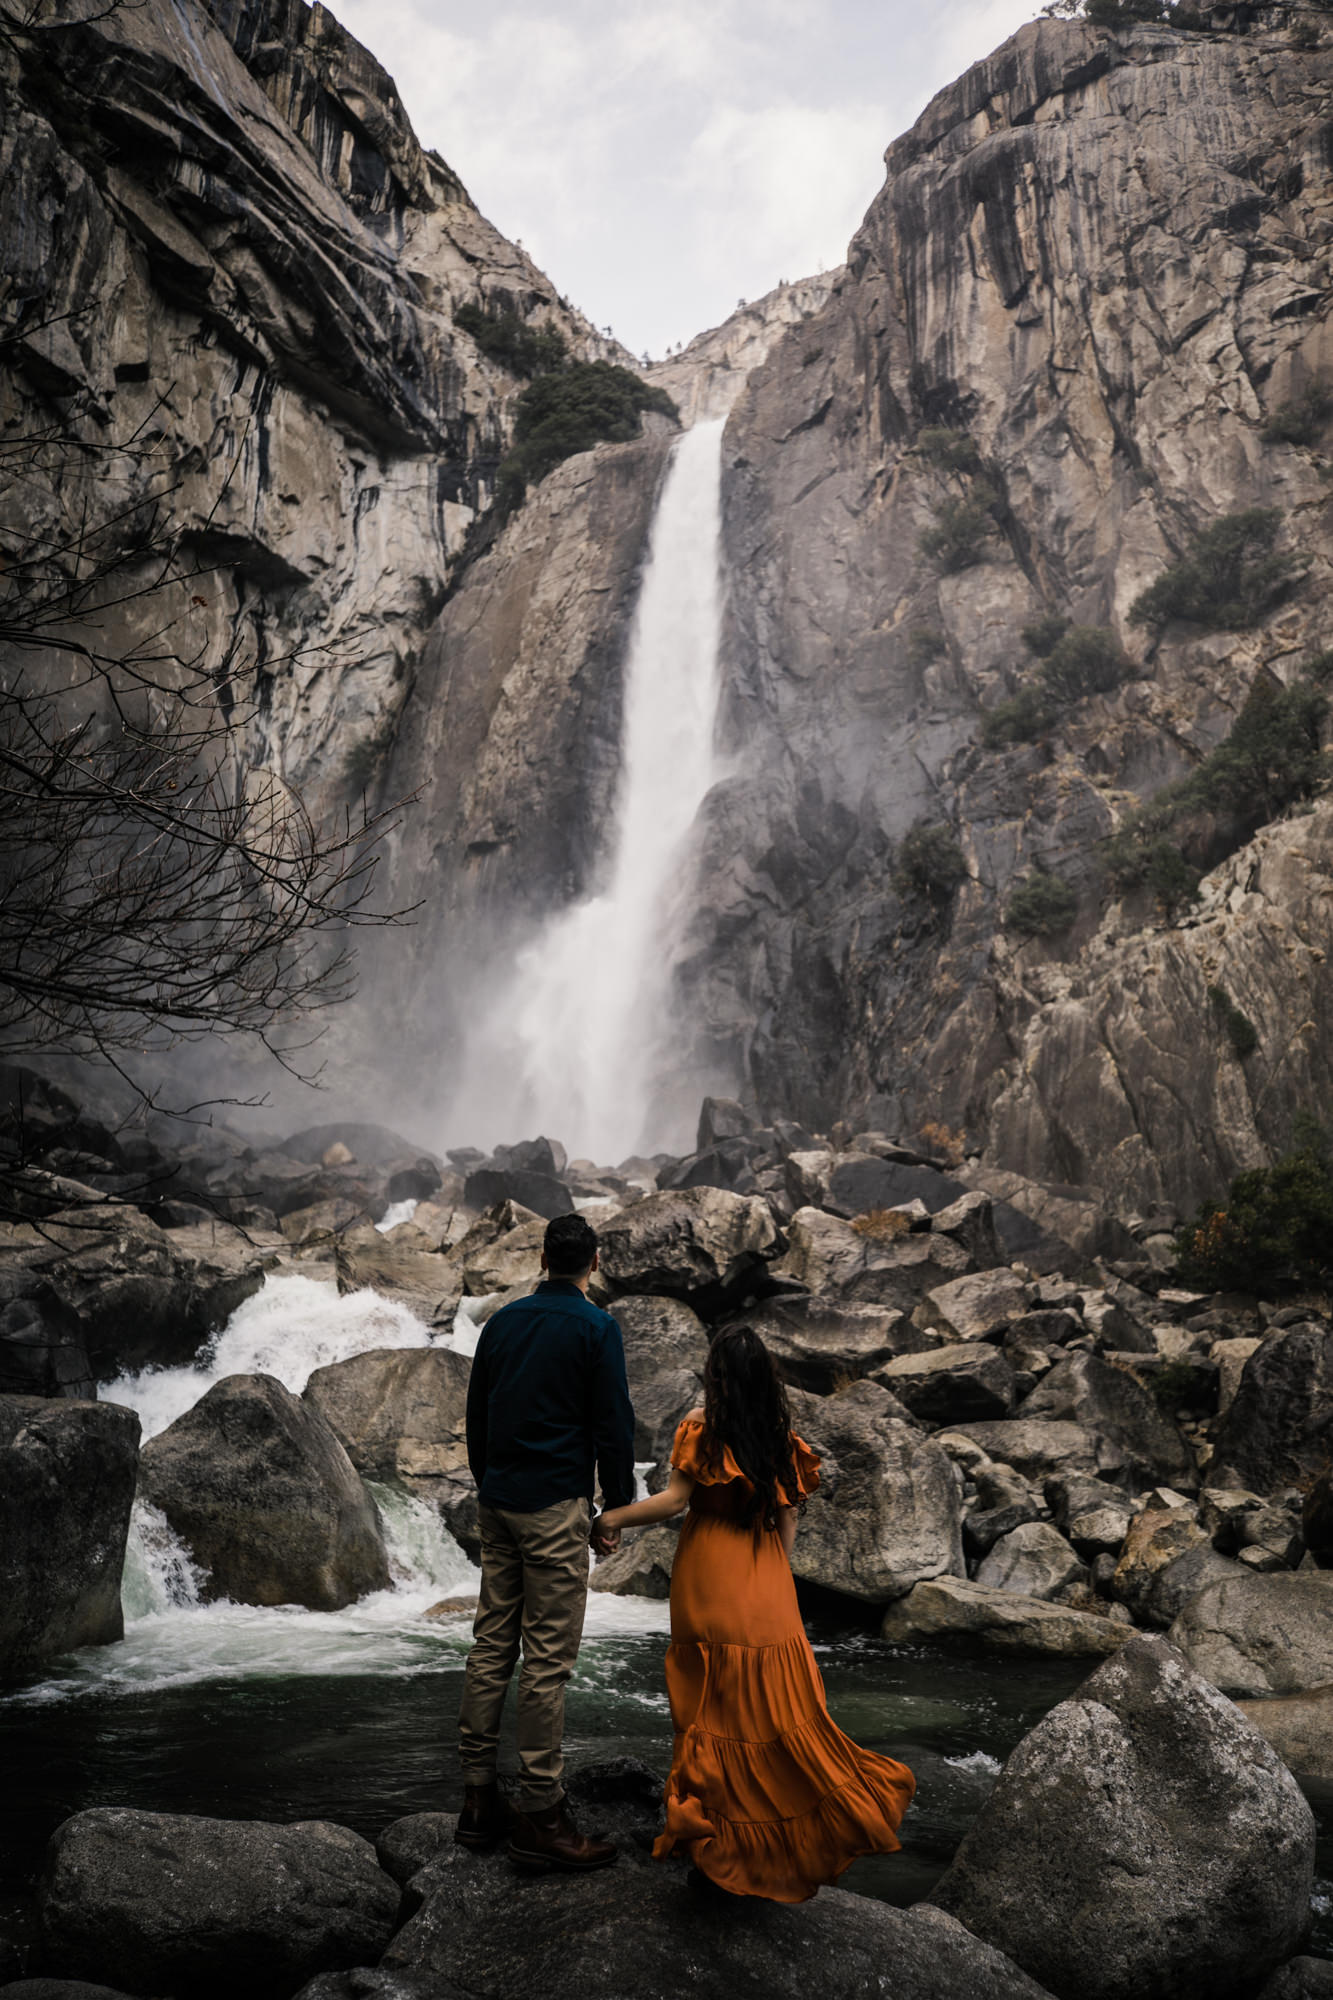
[{"x": 534, "y": 1587}]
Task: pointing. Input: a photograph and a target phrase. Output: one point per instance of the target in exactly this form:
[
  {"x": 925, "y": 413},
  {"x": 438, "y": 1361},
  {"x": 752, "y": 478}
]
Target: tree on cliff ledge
[{"x": 155, "y": 885}]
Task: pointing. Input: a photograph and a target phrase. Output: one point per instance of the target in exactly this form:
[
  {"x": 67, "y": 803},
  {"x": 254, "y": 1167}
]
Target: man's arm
[
  {"x": 613, "y": 1421},
  {"x": 478, "y": 1399}
]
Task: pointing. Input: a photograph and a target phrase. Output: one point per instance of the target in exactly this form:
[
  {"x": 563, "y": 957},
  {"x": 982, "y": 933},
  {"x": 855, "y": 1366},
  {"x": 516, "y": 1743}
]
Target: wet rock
[
  {"x": 886, "y": 1513},
  {"x": 409, "y": 1844},
  {"x": 1142, "y": 1840},
  {"x": 821, "y": 1343},
  {"x": 1034, "y": 1560},
  {"x": 41, "y": 1341},
  {"x": 979, "y": 1306},
  {"x": 574, "y": 1944},
  {"x": 968, "y": 1617},
  {"x": 951, "y": 1385},
  {"x": 322, "y": 1222},
  {"x": 366, "y": 1982},
  {"x": 1084, "y": 1389},
  {"x": 429, "y": 1282},
  {"x": 704, "y": 1245},
  {"x": 67, "y": 1473},
  {"x": 640, "y": 1567},
  {"x": 542, "y": 1193},
  {"x": 1276, "y": 1431},
  {"x": 170, "y": 1904},
  {"x": 1300, "y": 1979},
  {"x": 60, "y": 1989},
  {"x": 830, "y": 1256},
  {"x": 257, "y": 1485},
  {"x": 1300, "y": 1729},
  {"x": 666, "y": 1345},
  {"x": 1258, "y": 1635},
  {"x": 400, "y": 1414}
]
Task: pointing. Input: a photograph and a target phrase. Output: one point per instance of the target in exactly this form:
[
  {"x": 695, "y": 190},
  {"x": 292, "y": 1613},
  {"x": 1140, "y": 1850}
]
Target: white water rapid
[
  {"x": 174, "y": 1638},
  {"x": 577, "y": 1047}
]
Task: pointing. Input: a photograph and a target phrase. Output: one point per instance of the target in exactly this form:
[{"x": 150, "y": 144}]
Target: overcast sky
[{"x": 661, "y": 160}]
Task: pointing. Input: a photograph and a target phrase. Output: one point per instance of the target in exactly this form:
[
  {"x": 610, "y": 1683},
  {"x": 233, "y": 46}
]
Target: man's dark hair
[{"x": 570, "y": 1246}]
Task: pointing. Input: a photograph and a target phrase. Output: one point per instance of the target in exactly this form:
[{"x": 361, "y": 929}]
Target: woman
[{"x": 766, "y": 1795}]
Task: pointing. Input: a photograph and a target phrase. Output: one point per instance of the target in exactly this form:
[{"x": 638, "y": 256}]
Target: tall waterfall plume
[{"x": 576, "y": 1048}]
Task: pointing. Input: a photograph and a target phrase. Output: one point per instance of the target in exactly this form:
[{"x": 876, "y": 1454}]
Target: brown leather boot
[
  {"x": 487, "y": 1817},
  {"x": 550, "y": 1839}
]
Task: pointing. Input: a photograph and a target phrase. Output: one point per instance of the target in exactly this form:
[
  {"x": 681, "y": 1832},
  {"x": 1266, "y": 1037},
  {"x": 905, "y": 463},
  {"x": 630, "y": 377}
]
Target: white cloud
[{"x": 661, "y": 160}]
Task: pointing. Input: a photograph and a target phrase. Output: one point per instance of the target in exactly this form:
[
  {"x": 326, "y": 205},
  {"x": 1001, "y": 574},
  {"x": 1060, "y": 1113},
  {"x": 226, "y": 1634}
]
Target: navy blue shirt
[{"x": 547, "y": 1401}]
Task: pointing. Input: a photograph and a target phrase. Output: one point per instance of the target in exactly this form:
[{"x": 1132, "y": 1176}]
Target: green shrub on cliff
[
  {"x": 583, "y": 404},
  {"x": 1085, "y": 659},
  {"x": 959, "y": 536},
  {"x": 949, "y": 450},
  {"x": 1042, "y": 905},
  {"x": 1022, "y": 719},
  {"x": 1231, "y": 573},
  {"x": 930, "y": 863},
  {"x": 1273, "y": 1233},
  {"x": 1301, "y": 421},
  {"x": 1239, "y": 1028},
  {"x": 505, "y": 338}
]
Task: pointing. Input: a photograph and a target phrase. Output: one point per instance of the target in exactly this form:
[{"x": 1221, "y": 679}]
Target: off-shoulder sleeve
[
  {"x": 688, "y": 1455},
  {"x": 806, "y": 1463}
]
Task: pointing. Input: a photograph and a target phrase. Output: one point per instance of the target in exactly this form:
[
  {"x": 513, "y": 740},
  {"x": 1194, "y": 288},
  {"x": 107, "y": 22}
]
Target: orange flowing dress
[{"x": 766, "y": 1795}]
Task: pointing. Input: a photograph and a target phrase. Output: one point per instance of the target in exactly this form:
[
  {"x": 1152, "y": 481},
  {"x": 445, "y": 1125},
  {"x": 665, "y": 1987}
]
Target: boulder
[
  {"x": 575, "y": 1941},
  {"x": 1099, "y": 1531},
  {"x": 666, "y": 1345},
  {"x": 1258, "y": 1635},
  {"x": 1084, "y": 1389},
  {"x": 721, "y": 1118},
  {"x": 61, "y": 1989},
  {"x": 729, "y": 1164},
  {"x": 1041, "y": 1449},
  {"x": 1075, "y": 1494},
  {"x": 1300, "y": 1729},
  {"x": 169, "y": 1904},
  {"x": 1278, "y": 1430},
  {"x": 1142, "y": 1843},
  {"x": 1300, "y": 1979},
  {"x": 430, "y": 1283},
  {"x": 822, "y": 1343},
  {"x": 830, "y": 1256},
  {"x": 322, "y": 1223},
  {"x": 256, "y": 1484},
  {"x": 543, "y": 1193},
  {"x": 971, "y": 1222},
  {"x": 640, "y": 1567},
  {"x": 1317, "y": 1521},
  {"x": 513, "y": 1258},
  {"x": 979, "y": 1306},
  {"x": 1034, "y": 1560},
  {"x": 702, "y": 1244},
  {"x": 67, "y": 1472},
  {"x": 1152, "y": 1540},
  {"x": 957, "y": 1384},
  {"x": 141, "y": 1296},
  {"x": 858, "y": 1184},
  {"x": 42, "y": 1351},
  {"x": 400, "y": 1414},
  {"x": 968, "y": 1617},
  {"x": 886, "y": 1513},
  {"x": 1230, "y": 1357},
  {"x": 368, "y": 1144}
]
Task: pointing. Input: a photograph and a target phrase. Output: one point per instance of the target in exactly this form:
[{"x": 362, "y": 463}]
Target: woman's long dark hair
[{"x": 745, "y": 1412}]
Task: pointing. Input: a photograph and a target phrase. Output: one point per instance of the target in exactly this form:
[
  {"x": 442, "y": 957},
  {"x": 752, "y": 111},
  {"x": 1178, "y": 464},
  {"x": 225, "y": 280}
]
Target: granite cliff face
[
  {"x": 1104, "y": 258},
  {"x": 224, "y": 244}
]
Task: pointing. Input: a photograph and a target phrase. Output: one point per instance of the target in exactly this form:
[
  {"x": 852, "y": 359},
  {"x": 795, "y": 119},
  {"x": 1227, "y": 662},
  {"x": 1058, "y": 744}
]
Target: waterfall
[{"x": 577, "y": 1046}]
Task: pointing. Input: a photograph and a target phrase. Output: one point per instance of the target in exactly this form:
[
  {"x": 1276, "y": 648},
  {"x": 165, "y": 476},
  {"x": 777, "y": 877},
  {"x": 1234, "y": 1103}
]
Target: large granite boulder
[
  {"x": 1043, "y": 1448},
  {"x": 1278, "y": 1429},
  {"x": 968, "y": 1617},
  {"x": 401, "y": 1263},
  {"x": 542, "y": 1192},
  {"x": 1033, "y": 1560},
  {"x": 1142, "y": 1843},
  {"x": 822, "y": 1343},
  {"x": 42, "y": 1351},
  {"x": 1084, "y": 1389},
  {"x": 702, "y": 1244},
  {"x": 1257, "y": 1635},
  {"x": 887, "y": 1510},
  {"x": 1300, "y": 1729},
  {"x": 828, "y": 1255},
  {"x": 67, "y": 1473},
  {"x": 980, "y": 1305},
  {"x": 164, "y": 1903},
  {"x": 666, "y": 1345},
  {"x": 257, "y": 1485},
  {"x": 957, "y": 1384},
  {"x": 577, "y": 1941},
  {"x": 640, "y": 1567},
  {"x": 1300, "y": 1979},
  {"x": 400, "y": 1414}
]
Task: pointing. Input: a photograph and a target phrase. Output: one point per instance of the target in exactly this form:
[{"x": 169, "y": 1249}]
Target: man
[{"x": 547, "y": 1402}]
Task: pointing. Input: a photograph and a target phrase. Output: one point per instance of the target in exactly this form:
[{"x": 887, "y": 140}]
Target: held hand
[{"x": 605, "y": 1541}]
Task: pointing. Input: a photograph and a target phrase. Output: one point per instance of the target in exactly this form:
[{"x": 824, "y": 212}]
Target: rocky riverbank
[{"x": 1035, "y": 1440}]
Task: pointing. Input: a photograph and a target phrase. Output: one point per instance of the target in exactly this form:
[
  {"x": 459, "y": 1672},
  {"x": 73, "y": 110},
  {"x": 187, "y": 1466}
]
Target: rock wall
[
  {"x": 705, "y": 377},
  {"x": 1104, "y": 256},
  {"x": 226, "y": 251}
]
